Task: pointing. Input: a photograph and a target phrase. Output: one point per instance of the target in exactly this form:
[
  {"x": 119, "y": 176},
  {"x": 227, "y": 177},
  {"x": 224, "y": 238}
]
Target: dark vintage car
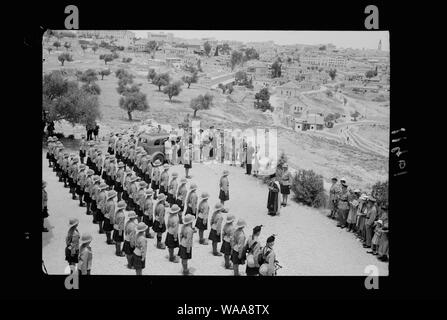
[{"x": 153, "y": 144}]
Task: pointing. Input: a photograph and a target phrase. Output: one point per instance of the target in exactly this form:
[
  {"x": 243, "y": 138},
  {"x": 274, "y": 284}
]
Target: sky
[{"x": 341, "y": 39}]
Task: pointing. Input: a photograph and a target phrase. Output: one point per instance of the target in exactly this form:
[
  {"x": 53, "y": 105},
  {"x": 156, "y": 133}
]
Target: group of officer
[
  {"x": 360, "y": 214},
  {"x": 127, "y": 194}
]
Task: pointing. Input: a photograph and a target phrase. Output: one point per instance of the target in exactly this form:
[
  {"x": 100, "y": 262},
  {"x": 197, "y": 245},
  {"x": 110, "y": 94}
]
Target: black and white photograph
[{"x": 215, "y": 152}]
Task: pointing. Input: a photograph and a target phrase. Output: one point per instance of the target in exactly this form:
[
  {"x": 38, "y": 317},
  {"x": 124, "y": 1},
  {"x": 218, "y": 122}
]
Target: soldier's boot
[
  {"x": 81, "y": 203},
  {"x": 119, "y": 196},
  {"x": 109, "y": 238},
  {"x": 185, "y": 267},
  {"x": 227, "y": 262},
  {"x": 172, "y": 257},
  {"x": 101, "y": 230},
  {"x": 119, "y": 252},
  {"x": 149, "y": 234},
  {"x": 236, "y": 269},
  {"x": 215, "y": 252},
  {"x": 129, "y": 259},
  {"x": 160, "y": 245}
]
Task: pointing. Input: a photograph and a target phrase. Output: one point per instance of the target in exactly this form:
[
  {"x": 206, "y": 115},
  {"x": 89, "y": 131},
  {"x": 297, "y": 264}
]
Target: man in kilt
[
  {"x": 72, "y": 244},
  {"x": 118, "y": 228},
  {"x": 109, "y": 215},
  {"x": 105, "y": 168},
  {"x": 159, "y": 226},
  {"x": 88, "y": 189},
  {"x": 145, "y": 168},
  {"x": 202, "y": 218},
  {"x": 80, "y": 184},
  {"x": 186, "y": 240},
  {"x": 164, "y": 180},
  {"x": 118, "y": 147},
  {"x": 64, "y": 168},
  {"x": 99, "y": 161},
  {"x": 238, "y": 246},
  {"x": 216, "y": 228},
  {"x": 171, "y": 240},
  {"x": 126, "y": 184},
  {"x": 101, "y": 202},
  {"x": 172, "y": 189},
  {"x": 44, "y": 206},
  {"x": 93, "y": 195},
  {"x": 111, "y": 171},
  {"x": 129, "y": 229},
  {"x": 191, "y": 201},
  {"x": 139, "y": 243},
  {"x": 227, "y": 234},
  {"x": 119, "y": 177},
  {"x": 111, "y": 144},
  {"x": 72, "y": 175},
  {"x": 82, "y": 148},
  {"x": 224, "y": 186},
  {"x": 139, "y": 200},
  {"x": 148, "y": 212},
  {"x": 133, "y": 190},
  {"x": 155, "y": 177},
  {"x": 181, "y": 197}
]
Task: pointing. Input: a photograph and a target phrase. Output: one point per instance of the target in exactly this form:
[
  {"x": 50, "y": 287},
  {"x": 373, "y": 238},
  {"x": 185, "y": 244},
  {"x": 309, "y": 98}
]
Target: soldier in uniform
[
  {"x": 101, "y": 199},
  {"x": 192, "y": 201},
  {"x": 133, "y": 190},
  {"x": 383, "y": 244},
  {"x": 118, "y": 147},
  {"x": 139, "y": 243},
  {"x": 164, "y": 179},
  {"x": 105, "y": 168},
  {"x": 186, "y": 240},
  {"x": 159, "y": 226},
  {"x": 224, "y": 187},
  {"x": 126, "y": 184},
  {"x": 118, "y": 227},
  {"x": 93, "y": 194},
  {"x": 64, "y": 168},
  {"x": 156, "y": 177},
  {"x": 132, "y": 153},
  {"x": 111, "y": 143},
  {"x": 181, "y": 197},
  {"x": 343, "y": 206},
  {"x": 249, "y": 158},
  {"x": 361, "y": 217},
  {"x": 144, "y": 164},
  {"x": 44, "y": 206},
  {"x": 238, "y": 246},
  {"x": 187, "y": 160},
  {"x": 87, "y": 190},
  {"x": 216, "y": 228},
  {"x": 109, "y": 213},
  {"x": 72, "y": 244},
  {"x": 371, "y": 216},
  {"x": 111, "y": 171},
  {"x": 99, "y": 161},
  {"x": 85, "y": 254},
  {"x": 172, "y": 189},
  {"x": 119, "y": 177},
  {"x": 129, "y": 229},
  {"x": 253, "y": 249},
  {"x": 80, "y": 182},
  {"x": 148, "y": 212},
  {"x": 171, "y": 240},
  {"x": 50, "y": 144},
  {"x": 202, "y": 218},
  {"x": 82, "y": 148},
  {"x": 227, "y": 233},
  {"x": 333, "y": 196},
  {"x": 139, "y": 200},
  {"x": 72, "y": 174}
]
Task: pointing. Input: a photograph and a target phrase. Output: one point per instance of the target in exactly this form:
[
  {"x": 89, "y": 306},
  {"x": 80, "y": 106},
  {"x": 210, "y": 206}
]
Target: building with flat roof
[{"x": 160, "y": 37}]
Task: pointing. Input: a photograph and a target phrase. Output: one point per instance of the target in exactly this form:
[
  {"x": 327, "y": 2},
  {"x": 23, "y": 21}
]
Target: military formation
[
  {"x": 134, "y": 199},
  {"x": 359, "y": 213}
]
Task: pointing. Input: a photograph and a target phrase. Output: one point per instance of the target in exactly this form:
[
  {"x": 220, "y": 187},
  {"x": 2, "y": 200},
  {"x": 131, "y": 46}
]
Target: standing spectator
[
  {"x": 244, "y": 151},
  {"x": 174, "y": 152},
  {"x": 333, "y": 196},
  {"x": 187, "y": 157},
  {"x": 382, "y": 251},
  {"x": 50, "y": 128},
  {"x": 171, "y": 240},
  {"x": 129, "y": 230},
  {"x": 249, "y": 158},
  {"x": 182, "y": 192},
  {"x": 159, "y": 226},
  {"x": 82, "y": 148},
  {"x": 343, "y": 206},
  {"x": 96, "y": 131},
  {"x": 233, "y": 151},
  {"x": 224, "y": 187},
  {"x": 227, "y": 234},
  {"x": 267, "y": 267},
  {"x": 44, "y": 206},
  {"x": 118, "y": 228},
  {"x": 256, "y": 162},
  {"x": 238, "y": 246},
  {"x": 353, "y": 205},
  {"x": 371, "y": 216},
  {"x": 273, "y": 198},
  {"x": 202, "y": 217},
  {"x": 285, "y": 182},
  {"x": 85, "y": 254}
]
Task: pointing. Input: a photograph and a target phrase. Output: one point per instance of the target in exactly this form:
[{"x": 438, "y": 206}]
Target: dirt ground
[{"x": 308, "y": 243}]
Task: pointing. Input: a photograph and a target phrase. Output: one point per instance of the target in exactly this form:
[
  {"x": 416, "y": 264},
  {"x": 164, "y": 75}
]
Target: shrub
[{"x": 308, "y": 188}]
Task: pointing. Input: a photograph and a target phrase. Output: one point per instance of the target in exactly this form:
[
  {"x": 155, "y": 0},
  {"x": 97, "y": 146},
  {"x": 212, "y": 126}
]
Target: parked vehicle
[{"x": 154, "y": 145}]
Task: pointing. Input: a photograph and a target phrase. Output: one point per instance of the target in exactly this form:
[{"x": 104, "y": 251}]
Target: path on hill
[{"x": 308, "y": 243}]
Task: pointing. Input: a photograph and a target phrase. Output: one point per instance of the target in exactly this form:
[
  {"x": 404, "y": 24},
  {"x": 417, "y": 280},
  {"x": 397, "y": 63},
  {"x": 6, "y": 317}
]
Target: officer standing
[
  {"x": 181, "y": 197},
  {"x": 224, "y": 186},
  {"x": 109, "y": 213},
  {"x": 159, "y": 226},
  {"x": 85, "y": 254},
  {"x": 238, "y": 248},
  {"x": 140, "y": 248},
  {"x": 186, "y": 240},
  {"x": 202, "y": 219},
  {"x": 216, "y": 228},
  {"x": 148, "y": 212},
  {"x": 191, "y": 201},
  {"x": 171, "y": 240},
  {"x": 227, "y": 234},
  {"x": 129, "y": 229},
  {"x": 172, "y": 189},
  {"x": 118, "y": 228}
]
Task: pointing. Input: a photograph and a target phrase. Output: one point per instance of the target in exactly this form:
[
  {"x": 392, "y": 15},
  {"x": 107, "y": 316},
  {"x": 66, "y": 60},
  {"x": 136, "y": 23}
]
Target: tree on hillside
[
  {"x": 133, "y": 101},
  {"x": 104, "y": 72},
  {"x": 67, "y": 45},
  {"x": 91, "y": 88},
  {"x": 225, "y": 48},
  {"x": 173, "y": 89},
  {"x": 355, "y": 115},
  {"x": 49, "y": 49},
  {"x": 251, "y": 54},
  {"x": 151, "y": 47},
  {"x": 161, "y": 79},
  {"x": 95, "y": 48},
  {"x": 263, "y": 94},
  {"x": 332, "y": 73},
  {"x": 106, "y": 58},
  {"x": 236, "y": 58},
  {"x": 240, "y": 77},
  {"x": 151, "y": 75},
  {"x": 202, "y": 102},
  {"x": 222, "y": 87},
  {"x": 57, "y": 44},
  {"x": 276, "y": 69},
  {"x": 123, "y": 73},
  {"x": 262, "y": 100},
  {"x": 190, "y": 79},
  {"x": 88, "y": 76},
  {"x": 83, "y": 47},
  {"x": 64, "y": 57},
  {"x": 63, "y": 100},
  {"x": 127, "y": 60},
  {"x": 207, "y": 48},
  {"x": 371, "y": 73},
  {"x": 216, "y": 53},
  {"x": 230, "y": 88}
]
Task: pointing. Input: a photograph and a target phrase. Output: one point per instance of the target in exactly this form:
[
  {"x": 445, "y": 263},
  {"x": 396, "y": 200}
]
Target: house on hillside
[
  {"x": 312, "y": 122},
  {"x": 294, "y": 88},
  {"x": 257, "y": 70}
]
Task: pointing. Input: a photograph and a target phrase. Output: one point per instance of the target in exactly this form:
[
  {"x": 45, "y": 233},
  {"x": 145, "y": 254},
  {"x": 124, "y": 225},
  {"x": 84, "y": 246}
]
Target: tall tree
[
  {"x": 332, "y": 73},
  {"x": 151, "y": 47},
  {"x": 88, "y": 76},
  {"x": 95, "y": 47},
  {"x": 207, "y": 48},
  {"x": 49, "y": 49},
  {"x": 202, "y": 102},
  {"x": 173, "y": 89},
  {"x": 276, "y": 69},
  {"x": 241, "y": 77},
  {"x": 190, "y": 79},
  {"x": 161, "y": 79},
  {"x": 216, "y": 53},
  {"x": 57, "y": 44},
  {"x": 104, "y": 72},
  {"x": 236, "y": 58},
  {"x": 67, "y": 45},
  {"x": 106, "y": 58},
  {"x": 151, "y": 74},
  {"x": 64, "y": 57},
  {"x": 133, "y": 101},
  {"x": 83, "y": 47}
]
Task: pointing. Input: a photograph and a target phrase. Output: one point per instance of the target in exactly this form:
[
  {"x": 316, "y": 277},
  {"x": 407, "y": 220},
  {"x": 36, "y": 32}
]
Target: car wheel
[{"x": 159, "y": 157}]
